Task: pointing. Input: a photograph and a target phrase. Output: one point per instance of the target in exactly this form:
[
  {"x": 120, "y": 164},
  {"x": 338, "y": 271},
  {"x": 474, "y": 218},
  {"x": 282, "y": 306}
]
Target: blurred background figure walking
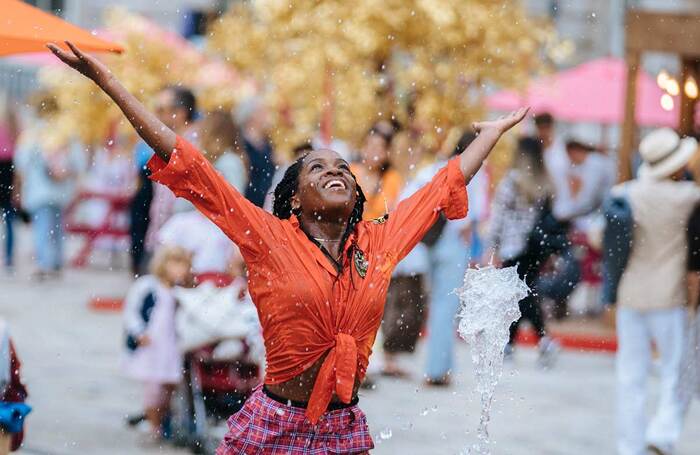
[
  {"x": 523, "y": 233},
  {"x": 653, "y": 294},
  {"x": 49, "y": 174},
  {"x": 449, "y": 246},
  {"x": 9, "y": 131}
]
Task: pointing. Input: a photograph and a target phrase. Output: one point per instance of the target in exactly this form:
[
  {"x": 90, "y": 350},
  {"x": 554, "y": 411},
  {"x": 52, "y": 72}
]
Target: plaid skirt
[{"x": 264, "y": 426}]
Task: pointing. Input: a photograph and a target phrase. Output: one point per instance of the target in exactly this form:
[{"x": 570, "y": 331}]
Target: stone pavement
[{"x": 71, "y": 358}]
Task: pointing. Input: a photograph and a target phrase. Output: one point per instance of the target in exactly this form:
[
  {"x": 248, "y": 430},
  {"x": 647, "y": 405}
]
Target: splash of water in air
[{"x": 489, "y": 305}]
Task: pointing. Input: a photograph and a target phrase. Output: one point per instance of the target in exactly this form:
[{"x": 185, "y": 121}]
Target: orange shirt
[{"x": 305, "y": 310}]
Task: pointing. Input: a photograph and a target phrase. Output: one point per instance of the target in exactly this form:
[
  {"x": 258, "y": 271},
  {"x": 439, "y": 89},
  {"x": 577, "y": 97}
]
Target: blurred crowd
[{"x": 581, "y": 243}]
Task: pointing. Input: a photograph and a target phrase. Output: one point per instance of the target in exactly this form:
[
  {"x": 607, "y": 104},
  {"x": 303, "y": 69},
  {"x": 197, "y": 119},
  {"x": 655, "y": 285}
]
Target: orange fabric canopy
[{"x": 24, "y": 28}]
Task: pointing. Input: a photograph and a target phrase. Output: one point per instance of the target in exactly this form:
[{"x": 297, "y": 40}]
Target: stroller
[{"x": 219, "y": 332}]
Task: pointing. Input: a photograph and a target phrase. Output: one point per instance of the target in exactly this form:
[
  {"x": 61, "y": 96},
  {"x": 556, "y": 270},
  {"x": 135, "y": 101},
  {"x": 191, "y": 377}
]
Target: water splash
[{"x": 489, "y": 305}]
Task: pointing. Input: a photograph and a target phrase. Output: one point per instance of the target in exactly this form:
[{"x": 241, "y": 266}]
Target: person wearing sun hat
[{"x": 652, "y": 293}]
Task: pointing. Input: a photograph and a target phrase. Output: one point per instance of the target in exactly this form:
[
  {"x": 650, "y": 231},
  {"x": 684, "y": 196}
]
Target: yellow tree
[
  {"x": 367, "y": 58},
  {"x": 153, "y": 58}
]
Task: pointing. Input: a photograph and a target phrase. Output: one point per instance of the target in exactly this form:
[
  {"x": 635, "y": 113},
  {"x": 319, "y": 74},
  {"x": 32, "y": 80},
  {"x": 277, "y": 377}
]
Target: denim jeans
[
  {"x": 559, "y": 285},
  {"x": 449, "y": 258},
  {"x": 47, "y": 224},
  {"x": 7, "y": 213}
]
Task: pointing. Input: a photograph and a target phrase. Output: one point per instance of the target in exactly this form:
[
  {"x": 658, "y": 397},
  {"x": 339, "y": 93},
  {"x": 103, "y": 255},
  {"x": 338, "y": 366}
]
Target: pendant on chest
[{"x": 361, "y": 264}]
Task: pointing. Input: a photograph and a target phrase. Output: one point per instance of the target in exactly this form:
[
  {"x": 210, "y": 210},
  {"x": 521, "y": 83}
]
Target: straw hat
[{"x": 664, "y": 153}]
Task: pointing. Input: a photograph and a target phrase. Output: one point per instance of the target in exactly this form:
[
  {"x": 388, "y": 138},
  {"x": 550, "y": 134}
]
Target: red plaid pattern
[{"x": 264, "y": 426}]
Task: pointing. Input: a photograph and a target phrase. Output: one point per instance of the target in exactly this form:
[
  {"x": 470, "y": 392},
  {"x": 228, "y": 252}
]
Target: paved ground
[{"x": 71, "y": 365}]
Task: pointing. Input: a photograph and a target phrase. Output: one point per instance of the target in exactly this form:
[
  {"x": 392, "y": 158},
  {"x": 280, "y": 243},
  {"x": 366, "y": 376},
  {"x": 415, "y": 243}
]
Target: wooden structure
[{"x": 648, "y": 31}]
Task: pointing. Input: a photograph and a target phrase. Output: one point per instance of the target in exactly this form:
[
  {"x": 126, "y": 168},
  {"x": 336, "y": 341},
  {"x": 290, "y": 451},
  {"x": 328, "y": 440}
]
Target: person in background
[
  {"x": 223, "y": 146},
  {"x": 556, "y": 160},
  {"x": 49, "y": 172},
  {"x": 13, "y": 394},
  {"x": 212, "y": 252},
  {"x": 375, "y": 174},
  {"x": 588, "y": 179},
  {"x": 111, "y": 174},
  {"x": 9, "y": 130},
  {"x": 690, "y": 384},
  {"x": 448, "y": 255},
  {"x": 153, "y": 357},
  {"x": 298, "y": 151},
  {"x": 653, "y": 292},
  {"x": 175, "y": 107},
  {"x": 252, "y": 116},
  {"x": 404, "y": 312},
  {"x": 521, "y": 200},
  {"x": 382, "y": 185}
]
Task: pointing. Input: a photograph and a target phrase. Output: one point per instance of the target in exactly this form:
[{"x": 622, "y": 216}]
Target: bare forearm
[
  {"x": 489, "y": 132},
  {"x": 154, "y": 132},
  {"x": 474, "y": 155},
  {"x": 158, "y": 136}
]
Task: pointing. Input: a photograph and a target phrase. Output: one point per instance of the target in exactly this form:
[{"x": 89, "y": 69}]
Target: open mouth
[{"x": 335, "y": 184}]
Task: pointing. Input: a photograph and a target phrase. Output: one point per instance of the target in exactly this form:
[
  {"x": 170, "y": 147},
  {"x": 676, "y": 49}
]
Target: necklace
[{"x": 325, "y": 240}]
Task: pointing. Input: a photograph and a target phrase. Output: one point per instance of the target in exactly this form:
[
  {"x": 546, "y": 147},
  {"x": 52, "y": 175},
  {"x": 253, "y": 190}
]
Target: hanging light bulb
[
  {"x": 662, "y": 78},
  {"x": 690, "y": 87},
  {"x": 666, "y": 102},
  {"x": 672, "y": 87}
]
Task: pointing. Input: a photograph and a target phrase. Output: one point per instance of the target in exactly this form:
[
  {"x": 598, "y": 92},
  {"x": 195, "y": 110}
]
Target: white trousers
[{"x": 636, "y": 330}]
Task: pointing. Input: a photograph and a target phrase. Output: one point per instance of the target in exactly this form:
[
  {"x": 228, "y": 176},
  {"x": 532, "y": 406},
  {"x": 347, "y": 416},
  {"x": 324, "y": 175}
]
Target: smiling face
[{"x": 326, "y": 188}]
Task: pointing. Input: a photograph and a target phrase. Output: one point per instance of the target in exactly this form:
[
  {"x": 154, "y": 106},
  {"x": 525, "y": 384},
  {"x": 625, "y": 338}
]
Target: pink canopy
[{"x": 591, "y": 92}]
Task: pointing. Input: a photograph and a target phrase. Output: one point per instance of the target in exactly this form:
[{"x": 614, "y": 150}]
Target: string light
[
  {"x": 672, "y": 87},
  {"x": 666, "y": 102},
  {"x": 690, "y": 87},
  {"x": 662, "y": 78}
]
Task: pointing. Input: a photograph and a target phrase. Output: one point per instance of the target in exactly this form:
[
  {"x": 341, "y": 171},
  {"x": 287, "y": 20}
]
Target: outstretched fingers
[
  {"x": 78, "y": 53},
  {"x": 520, "y": 114},
  {"x": 65, "y": 57}
]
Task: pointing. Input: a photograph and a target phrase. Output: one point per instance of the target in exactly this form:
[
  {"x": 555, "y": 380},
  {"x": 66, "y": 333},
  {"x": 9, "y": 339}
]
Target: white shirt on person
[
  {"x": 557, "y": 163},
  {"x": 597, "y": 176},
  {"x": 211, "y": 250}
]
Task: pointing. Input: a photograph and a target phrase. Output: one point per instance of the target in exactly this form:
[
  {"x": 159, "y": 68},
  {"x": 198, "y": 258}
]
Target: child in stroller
[{"x": 219, "y": 333}]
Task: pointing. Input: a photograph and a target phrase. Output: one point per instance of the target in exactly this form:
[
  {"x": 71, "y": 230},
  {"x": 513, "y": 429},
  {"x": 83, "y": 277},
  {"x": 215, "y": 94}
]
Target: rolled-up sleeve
[
  {"x": 189, "y": 175},
  {"x": 413, "y": 217}
]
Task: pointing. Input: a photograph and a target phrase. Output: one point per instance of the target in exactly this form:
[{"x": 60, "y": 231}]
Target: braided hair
[{"x": 287, "y": 188}]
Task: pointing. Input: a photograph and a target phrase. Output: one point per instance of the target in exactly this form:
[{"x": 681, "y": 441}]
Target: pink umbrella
[{"x": 592, "y": 92}]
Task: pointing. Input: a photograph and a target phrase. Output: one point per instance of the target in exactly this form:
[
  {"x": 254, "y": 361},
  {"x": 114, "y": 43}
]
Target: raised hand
[
  {"x": 504, "y": 123},
  {"x": 154, "y": 132},
  {"x": 489, "y": 133},
  {"x": 84, "y": 63}
]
